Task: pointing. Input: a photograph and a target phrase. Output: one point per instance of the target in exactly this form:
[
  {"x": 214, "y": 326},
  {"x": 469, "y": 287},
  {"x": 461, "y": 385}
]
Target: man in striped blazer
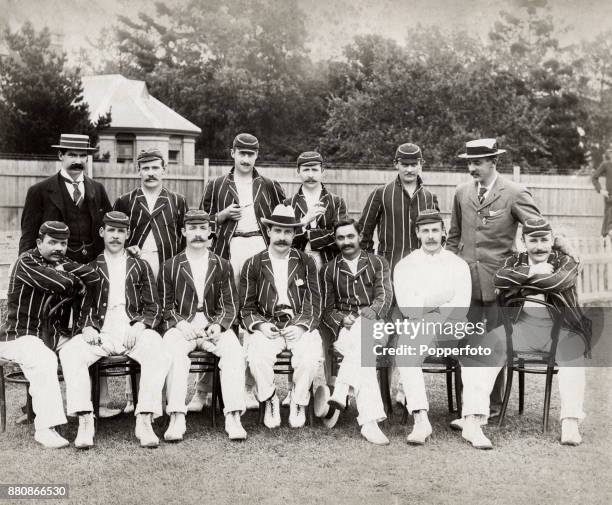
[
  {"x": 317, "y": 210},
  {"x": 40, "y": 274},
  {"x": 548, "y": 275},
  {"x": 392, "y": 209},
  {"x": 118, "y": 318},
  {"x": 200, "y": 305},
  {"x": 356, "y": 292},
  {"x": 156, "y": 214},
  {"x": 281, "y": 309}
]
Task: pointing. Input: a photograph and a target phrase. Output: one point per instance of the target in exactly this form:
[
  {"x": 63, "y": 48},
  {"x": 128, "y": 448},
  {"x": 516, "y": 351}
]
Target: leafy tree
[{"x": 39, "y": 97}]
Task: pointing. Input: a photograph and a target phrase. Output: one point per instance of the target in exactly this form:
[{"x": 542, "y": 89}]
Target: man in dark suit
[
  {"x": 605, "y": 170},
  {"x": 70, "y": 197},
  {"x": 77, "y": 200},
  {"x": 118, "y": 318},
  {"x": 156, "y": 214},
  {"x": 39, "y": 274},
  {"x": 200, "y": 305},
  {"x": 317, "y": 209},
  {"x": 281, "y": 307}
]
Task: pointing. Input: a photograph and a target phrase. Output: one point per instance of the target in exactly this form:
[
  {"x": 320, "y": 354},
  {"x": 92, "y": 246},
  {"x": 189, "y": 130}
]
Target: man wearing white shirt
[
  {"x": 200, "y": 305},
  {"x": 431, "y": 285}
]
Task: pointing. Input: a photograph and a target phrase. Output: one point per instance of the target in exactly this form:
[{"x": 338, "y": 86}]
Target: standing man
[
  {"x": 237, "y": 203},
  {"x": 548, "y": 275},
  {"x": 156, "y": 214},
  {"x": 392, "y": 209},
  {"x": 486, "y": 213},
  {"x": 356, "y": 285},
  {"x": 39, "y": 274},
  {"x": 118, "y": 318},
  {"x": 605, "y": 170},
  {"x": 70, "y": 197},
  {"x": 431, "y": 285},
  {"x": 200, "y": 305},
  {"x": 317, "y": 210},
  {"x": 279, "y": 288},
  {"x": 77, "y": 200}
]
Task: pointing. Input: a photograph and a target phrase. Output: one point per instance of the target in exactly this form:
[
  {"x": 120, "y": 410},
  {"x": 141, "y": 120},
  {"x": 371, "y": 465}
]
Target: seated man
[
  {"x": 200, "y": 305},
  {"x": 356, "y": 285},
  {"x": 39, "y": 274},
  {"x": 118, "y": 317},
  {"x": 549, "y": 275},
  {"x": 432, "y": 286},
  {"x": 280, "y": 290}
]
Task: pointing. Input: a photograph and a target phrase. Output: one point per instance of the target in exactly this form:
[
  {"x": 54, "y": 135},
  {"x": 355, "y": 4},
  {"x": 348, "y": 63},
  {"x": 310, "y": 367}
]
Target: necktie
[
  {"x": 77, "y": 197},
  {"x": 481, "y": 194}
]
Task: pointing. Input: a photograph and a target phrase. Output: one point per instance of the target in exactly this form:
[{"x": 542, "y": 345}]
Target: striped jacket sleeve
[
  {"x": 277, "y": 195},
  {"x": 165, "y": 288},
  {"x": 515, "y": 274},
  {"x": 383, "y": 290},
  {"x": 151, "y": 312},
  {"x": 228, "y": 307},
  {"x": 331, "y": 315},
  {"x": 311, "y": 304},
  {"x": 42, "y": 276},
  {"x": 320, "y": 238},
  {"x": 369, "y": 219},
  {"x": 249, "y": 312}
]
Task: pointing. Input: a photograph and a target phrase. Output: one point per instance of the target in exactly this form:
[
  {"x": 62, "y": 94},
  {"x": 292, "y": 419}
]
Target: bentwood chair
[
  {"x": 541, "y": 362},
  {"x": 203, "y": 362}
]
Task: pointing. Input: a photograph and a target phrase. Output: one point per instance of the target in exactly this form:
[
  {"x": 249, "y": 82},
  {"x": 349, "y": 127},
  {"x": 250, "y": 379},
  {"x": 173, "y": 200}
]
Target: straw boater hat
[
  {"x": 74, "y": 142},
  {"x": 481, "y": 148},
  {"x": 284, "y": 216},
  {"x": 327, "y": 413}
]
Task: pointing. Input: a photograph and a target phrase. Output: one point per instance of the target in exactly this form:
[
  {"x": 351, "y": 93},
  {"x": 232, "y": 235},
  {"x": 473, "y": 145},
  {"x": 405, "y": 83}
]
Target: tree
[{"x": 39, "y": 97}]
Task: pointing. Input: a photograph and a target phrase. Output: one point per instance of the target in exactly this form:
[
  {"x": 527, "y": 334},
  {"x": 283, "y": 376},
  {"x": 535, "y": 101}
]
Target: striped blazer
[
  {"x": 141, "y": 301},
  {"x": 32, "y": 282},
  {"x": 393, "y": 213},
  {"x": 321, "y": 238},
  {"x": 179, "y": 298},
  {"x": 221, "y": 192},
  {"x": 259, "y": 296},
  {"x": 345, "y": 293},
  {"x": 165, "y": 221}
]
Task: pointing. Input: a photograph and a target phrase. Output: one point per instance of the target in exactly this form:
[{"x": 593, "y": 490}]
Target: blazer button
[
  {"x": 102, "y": 316},
  {"x": 103, "y": 305}
]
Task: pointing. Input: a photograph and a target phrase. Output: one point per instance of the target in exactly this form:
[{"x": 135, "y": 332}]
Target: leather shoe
[
  {"x": 176, "y": 428},
  {"x": 338, "y": 397},
  {"x": 472, "y": 432},
  {"x": 85, "y": 435},
  {"x": 297, "y": 415},
  {"x": 50, "y": 439},
  {"x": 250, "y": 400},
  {"x": 105, "y": 412},
  {"x": 570, "y": 435},
  {"x": 272, "y": 417},
  {"x": 421, "y": 429},
  {"x": 144, "y": 431},
  {"x": 373, "y": 434},
  {"x": 233, "y": 426}
]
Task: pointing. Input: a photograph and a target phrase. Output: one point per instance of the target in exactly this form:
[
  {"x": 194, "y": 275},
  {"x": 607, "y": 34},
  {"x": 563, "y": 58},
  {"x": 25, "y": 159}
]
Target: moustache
[
  {"x": 115, "y": 242},
  {"x": 150, "y": 179},
  {"x": 281, "y": 242},
  {"x": 540, "y": 252},
  {"x": 310, "y": 180},
  {"x": 76, "y": 166},
  {"x": 198, "y": 239},
  {"x": 431, "y": 241},
  {"x": 346, "y": 246}
]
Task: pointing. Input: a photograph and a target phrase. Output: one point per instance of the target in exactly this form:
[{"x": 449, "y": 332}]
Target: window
[
  {"x": 125, "y": 148},
  {"x": 175, "y": 149}
]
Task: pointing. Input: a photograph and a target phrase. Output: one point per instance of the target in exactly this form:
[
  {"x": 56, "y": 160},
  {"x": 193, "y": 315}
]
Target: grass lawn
[{"x": 330, "y": 466}]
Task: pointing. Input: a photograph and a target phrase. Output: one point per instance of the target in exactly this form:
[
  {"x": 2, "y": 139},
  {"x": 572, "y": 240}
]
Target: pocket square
[
  {"x": 299, "y": 282},
  {"x": 495, "y": 212}
]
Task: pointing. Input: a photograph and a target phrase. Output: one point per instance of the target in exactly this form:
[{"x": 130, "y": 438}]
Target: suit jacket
[
  {"x": 484, "y": 234},
  {"x": 390, "y": 210},
  {"x": 221, "y": 192},
  {"x": 32, "y": 282},
  {"x": 321, "y": 237},
  {"x": 559, "y": 288},
  {"x": 345, "y": 293},
  {"x": 44, "y": 202},
  {"x": 259, "y": 295},
  {"x": 141, "y": 301},
  {"x": 179, "y": 298},
  {"x": 165, "y": 221}
]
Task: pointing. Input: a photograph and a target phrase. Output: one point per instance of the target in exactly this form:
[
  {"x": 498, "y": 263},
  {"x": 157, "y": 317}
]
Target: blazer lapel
[
  {"x": 300, "y": 203},
  {"x": 474, "y": 195},
  {"x": 257, "y": 183},
  {"x": 160, "y": 203},
  {"x": 293, "y": 267},
  {"x": 493, "y": 193},
  {"x": 266, "y": 269},
  {"x": 101, "y": 261},
  {"x": 130, "y": 265},
  {"x": 91, "y": 197},
  {"x": 185, "y": 273},
  {"x": 212, "y": 266},
  {"x": 55, "y": 194},
  {"x": 362, "y": 264},
  {"x": 230, "y": 186},
  {"x": 142, "y": 201}
]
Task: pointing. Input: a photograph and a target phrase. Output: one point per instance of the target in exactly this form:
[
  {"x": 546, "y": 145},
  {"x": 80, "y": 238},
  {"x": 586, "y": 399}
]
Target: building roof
[{"x": 131, "y": 105}]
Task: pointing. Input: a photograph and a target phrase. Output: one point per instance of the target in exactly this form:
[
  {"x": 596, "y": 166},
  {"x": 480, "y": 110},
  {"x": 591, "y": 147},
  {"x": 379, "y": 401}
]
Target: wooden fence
[{"x": 568, "y": 201}]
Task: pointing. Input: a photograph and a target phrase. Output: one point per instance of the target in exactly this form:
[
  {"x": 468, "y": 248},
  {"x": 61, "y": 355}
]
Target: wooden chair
[
  {"x": 530, "y": 362},
  {"x": 203, "y": 362},
  {"x": 283, "y": 367},
  {"x": 51, "y": 309},
  {"x": 2, "y": 396},
  {"x": 113, "y": 366}
]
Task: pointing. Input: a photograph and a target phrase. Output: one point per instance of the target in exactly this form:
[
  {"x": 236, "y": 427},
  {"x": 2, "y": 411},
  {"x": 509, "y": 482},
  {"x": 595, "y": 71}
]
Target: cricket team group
[{"x": 253, "y": 272}]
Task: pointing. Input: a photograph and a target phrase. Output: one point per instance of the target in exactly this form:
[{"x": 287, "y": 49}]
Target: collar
[
  {"x": 114, "y": 259},
  {"x": 488, "y": 188},
  {"x": 203, "y": 259},
  {"x": 79, "y": 180}
]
